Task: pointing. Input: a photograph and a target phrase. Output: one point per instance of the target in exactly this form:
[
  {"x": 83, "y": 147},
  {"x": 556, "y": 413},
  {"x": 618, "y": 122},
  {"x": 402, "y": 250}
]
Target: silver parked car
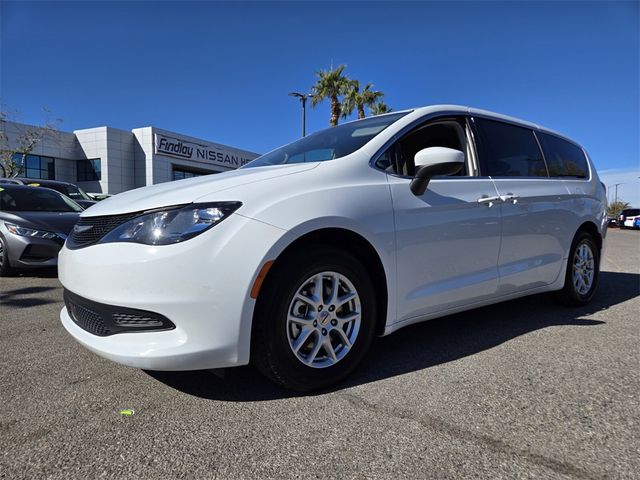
[{"x": 34, "y": 224}]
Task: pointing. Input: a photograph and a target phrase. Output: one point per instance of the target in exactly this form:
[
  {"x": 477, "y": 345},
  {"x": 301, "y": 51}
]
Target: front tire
[
  {"x": 315, "y": 319},
  {"x": 5, "y": 268},
  {"x": 583, "y": 271}
]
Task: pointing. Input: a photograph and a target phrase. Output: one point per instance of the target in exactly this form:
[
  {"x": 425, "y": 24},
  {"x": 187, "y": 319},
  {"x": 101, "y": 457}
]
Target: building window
[
  {"x": 37, "y": 166},
  {"x": 180, "y": 173},
  {"x": 89, "y": 170}
]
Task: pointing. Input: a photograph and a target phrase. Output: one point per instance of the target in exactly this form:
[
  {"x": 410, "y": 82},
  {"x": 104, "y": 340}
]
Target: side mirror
[{"x": 434, "y": 161}]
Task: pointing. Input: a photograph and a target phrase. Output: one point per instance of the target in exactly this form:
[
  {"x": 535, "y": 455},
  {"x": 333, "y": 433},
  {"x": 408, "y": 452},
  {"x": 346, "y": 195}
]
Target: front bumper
[
  {"x": 30, "y": 252},
  {"x": 201, "y": 285}
]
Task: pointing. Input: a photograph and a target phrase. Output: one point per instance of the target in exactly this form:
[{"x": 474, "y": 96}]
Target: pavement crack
[{"x": 495, "y": 445}]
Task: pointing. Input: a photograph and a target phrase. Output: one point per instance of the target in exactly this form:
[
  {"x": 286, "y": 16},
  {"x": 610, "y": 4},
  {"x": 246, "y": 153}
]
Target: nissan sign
[{"x": 175, "y": 147}]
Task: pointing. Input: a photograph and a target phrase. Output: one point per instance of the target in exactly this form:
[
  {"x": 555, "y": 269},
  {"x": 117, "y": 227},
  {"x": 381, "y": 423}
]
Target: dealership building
[{"x": 109, "y": 160}]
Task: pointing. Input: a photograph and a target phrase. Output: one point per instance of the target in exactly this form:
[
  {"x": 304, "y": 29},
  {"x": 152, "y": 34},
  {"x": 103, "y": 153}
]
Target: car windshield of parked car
[
  {"x": 77, "y": 193},
  {"x": 35, "y": 200},
  {"x": 334, "y": 142}
]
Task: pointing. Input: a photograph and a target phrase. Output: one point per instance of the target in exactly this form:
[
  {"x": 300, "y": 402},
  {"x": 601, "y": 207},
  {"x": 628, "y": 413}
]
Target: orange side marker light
[{"x": 260, "y": 278}]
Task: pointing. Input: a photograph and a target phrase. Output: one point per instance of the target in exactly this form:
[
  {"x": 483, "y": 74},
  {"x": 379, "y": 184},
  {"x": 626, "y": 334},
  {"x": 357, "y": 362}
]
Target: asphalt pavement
[{"x": 524, "y": 389}]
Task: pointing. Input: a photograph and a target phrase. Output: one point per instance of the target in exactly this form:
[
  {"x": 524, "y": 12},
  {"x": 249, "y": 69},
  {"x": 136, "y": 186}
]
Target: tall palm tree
[
  {"x": 356, "y": 99},
  {"x": 379, "y": 108},
  {"x": 331, "y": 84}
]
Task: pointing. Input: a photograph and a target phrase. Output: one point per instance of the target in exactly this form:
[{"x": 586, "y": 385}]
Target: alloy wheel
[
  {"x": 323, "y": 319},
  {"x": 583, "y": 269}
]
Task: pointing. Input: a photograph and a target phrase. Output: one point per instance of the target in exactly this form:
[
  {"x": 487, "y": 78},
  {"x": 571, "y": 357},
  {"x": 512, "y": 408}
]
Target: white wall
[
  {"x": 115, "y": 149},
  {"x": 127, "y": 159}
]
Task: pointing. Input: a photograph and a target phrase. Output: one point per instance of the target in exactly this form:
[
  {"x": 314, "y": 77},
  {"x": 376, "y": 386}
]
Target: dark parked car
[
  {"x": 69, "y": 189},
  {"x": 34, "y": 224}
]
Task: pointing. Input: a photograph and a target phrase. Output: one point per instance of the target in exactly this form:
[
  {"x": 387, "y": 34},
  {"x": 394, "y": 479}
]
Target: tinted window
[
  {"x": 36, "y": 166},
  {"x": 35, "y": 200},
  {"x": 508, "y": 151},
  {"x": 328, "y": 144},
  {"x": 564, "y": 159},
  {"x": 89, "y": 170}
]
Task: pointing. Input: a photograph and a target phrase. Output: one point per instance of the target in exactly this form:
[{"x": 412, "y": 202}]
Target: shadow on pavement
[
  {"x": 48, "y": 272},
  {"x": 23, "y": 297},
  {"x": 423, "y": 345}
]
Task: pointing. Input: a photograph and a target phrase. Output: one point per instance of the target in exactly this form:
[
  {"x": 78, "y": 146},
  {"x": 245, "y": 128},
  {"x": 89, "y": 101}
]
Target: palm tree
[
  {"x": 331, "y": 84},
  {"x": 379, "y": 108},
  {"x": 354, "y": 99}
]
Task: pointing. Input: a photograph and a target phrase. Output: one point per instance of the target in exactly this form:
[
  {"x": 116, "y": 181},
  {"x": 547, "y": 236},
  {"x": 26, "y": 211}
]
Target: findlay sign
[{"x": 175, "y": 147}]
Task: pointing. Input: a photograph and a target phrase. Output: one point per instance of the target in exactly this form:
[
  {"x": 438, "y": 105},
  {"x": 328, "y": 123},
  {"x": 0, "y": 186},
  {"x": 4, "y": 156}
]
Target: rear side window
[
  {"x": 507, "y": 150},
  {"x": 564, "y": 159}
]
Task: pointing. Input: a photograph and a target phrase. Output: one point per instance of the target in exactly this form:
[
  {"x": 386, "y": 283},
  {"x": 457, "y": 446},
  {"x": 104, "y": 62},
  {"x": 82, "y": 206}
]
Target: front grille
[
  {"x": 89, "y": 230},
  {"x": 104, "y": 320}
]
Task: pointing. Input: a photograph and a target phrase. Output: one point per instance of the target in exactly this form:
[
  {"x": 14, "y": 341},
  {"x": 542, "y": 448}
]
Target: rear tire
[
  {"x": 583, "y": 271},
  {"x": 5, "y": 268},
  {"x": 304, "y": 340}
]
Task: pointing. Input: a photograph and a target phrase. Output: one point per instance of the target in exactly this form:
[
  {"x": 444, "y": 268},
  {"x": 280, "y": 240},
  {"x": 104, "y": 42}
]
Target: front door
[
  {"x": 448, "y": 239},
  {"x": 448, "y": 244}
]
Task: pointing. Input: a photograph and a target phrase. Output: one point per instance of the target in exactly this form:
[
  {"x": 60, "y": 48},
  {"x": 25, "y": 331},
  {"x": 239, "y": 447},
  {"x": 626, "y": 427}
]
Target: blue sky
[{"x": 222, "y": 71}]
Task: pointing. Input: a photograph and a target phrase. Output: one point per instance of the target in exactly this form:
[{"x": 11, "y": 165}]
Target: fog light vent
[
  {"x": 87, "y": 320},
  {"x": 103, "y": 320},
  {"x": 129, "y": 320}
]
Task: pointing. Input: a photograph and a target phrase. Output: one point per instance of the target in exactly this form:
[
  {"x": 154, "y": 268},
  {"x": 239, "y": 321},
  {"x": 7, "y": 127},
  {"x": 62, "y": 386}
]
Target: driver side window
[{"x": 399, "y": 158}]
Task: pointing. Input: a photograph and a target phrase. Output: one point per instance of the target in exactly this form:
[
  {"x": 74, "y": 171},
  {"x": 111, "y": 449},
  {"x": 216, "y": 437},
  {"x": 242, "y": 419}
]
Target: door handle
[
  {"x": 510, "y": 197},
  {"x": 488, "y": 200}
]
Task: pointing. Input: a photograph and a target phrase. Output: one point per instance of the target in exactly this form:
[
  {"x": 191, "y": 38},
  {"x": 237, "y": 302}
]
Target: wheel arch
[
  {"x": 354, "y": 244},
  {"x": 591, "y": 228}
]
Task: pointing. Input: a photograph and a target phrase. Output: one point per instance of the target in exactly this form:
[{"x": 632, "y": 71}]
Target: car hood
[
  {"x": 189, "y": 190},
  {"x": 58, "y": 222}
]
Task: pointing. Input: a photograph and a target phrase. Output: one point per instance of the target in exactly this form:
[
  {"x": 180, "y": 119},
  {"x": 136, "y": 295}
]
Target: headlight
[
  {"x": 30, "y": 232},
  {"x": 171, "y": 225}
]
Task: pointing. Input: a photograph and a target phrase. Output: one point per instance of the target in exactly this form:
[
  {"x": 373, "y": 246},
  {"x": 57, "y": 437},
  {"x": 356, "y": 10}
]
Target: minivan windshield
[
  {"x": 20, "y": 199},
  {"x": 334, "y": 142}
]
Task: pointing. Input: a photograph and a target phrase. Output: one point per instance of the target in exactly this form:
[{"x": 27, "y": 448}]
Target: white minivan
[{"x": 296, "y": 260}]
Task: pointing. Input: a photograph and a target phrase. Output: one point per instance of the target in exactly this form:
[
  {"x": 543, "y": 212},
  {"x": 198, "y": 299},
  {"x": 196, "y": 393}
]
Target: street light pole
[
  {"x": 616, "y": 185},
  {"x": 303, "y": 100}
]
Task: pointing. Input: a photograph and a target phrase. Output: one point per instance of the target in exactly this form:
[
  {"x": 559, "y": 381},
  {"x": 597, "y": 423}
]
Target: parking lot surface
[{"x": 524, "y": 389}]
